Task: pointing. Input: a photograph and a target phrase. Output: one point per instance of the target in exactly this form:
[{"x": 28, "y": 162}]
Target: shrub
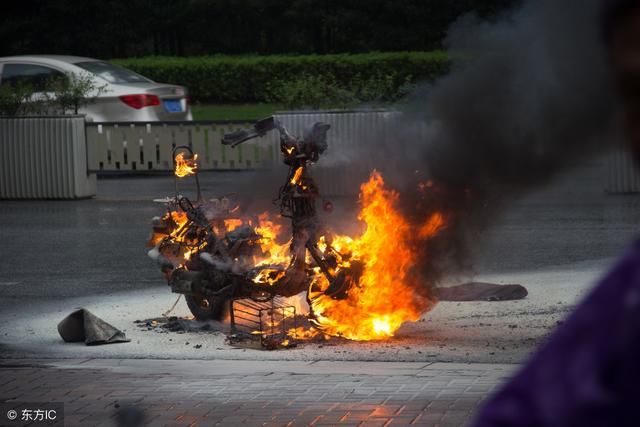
[
  {"x": 17, "y": 100},
  {"x": 310, "y": 91},
  {"x": 229, "y": 79},
  {"x": 61, "y": 95},
  {"x": 67, "y": 94}
]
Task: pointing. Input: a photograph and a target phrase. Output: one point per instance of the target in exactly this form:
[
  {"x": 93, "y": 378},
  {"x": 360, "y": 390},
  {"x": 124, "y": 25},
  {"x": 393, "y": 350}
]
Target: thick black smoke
[{"x": 528, "y": 95}]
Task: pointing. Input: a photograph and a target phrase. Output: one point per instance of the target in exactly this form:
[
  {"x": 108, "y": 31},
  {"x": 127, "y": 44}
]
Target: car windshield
[{"x": 112, "y": 73}]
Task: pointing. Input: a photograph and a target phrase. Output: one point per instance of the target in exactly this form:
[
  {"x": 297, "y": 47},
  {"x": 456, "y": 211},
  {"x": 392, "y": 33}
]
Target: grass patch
[{"x": 234, "y": 111}]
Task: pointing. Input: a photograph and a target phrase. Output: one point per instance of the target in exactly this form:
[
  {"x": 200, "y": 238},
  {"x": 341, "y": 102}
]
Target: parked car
[{"x": 127, "y": 96}]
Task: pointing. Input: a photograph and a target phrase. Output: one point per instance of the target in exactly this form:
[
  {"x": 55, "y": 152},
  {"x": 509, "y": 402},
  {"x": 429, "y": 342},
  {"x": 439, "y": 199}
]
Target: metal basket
[{"x": 262, "y": 324}]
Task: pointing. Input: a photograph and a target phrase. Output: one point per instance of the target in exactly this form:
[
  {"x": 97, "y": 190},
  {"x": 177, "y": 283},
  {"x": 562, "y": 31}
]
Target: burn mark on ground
[{"x": 180, "y": 325}]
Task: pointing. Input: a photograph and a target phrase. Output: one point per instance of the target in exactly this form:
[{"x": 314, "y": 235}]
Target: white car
[{"x": 127, "y": 96}]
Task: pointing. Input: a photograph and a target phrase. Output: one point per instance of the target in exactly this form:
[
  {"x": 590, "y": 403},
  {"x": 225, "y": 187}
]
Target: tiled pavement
[{"x": 231, "y": 393}]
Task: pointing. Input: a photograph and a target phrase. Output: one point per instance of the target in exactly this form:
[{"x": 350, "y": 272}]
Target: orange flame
[
  {"x": 183, "y": 246},
  {"x": 186, "y": 167},
  {"x": 232, "y": 223},
  {"x": 269, "y": 230},
  {"x": 433, "y": 225},
  {"x": 269, "y": 276},
  {"x": 297, "y": 176},
  {"x": 385, "y": 296}
]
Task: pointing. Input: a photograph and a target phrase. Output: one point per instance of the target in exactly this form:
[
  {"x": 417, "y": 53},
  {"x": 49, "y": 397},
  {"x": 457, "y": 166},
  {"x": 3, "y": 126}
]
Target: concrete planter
[{"x": 44, "y": 157}]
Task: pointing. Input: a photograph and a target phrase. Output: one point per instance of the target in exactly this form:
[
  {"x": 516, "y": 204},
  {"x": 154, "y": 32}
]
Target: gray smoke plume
[
  {"x": 528, "y": 95},
  {"x": 525, "y": 97}
]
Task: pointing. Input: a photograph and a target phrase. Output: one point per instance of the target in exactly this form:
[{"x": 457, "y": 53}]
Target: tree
[{"x": 119, "y": 28}]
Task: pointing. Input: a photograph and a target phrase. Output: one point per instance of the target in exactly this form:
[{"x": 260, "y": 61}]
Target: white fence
[
  {"x": 143, "y": 147},
  {"x": 136, "y": 146}
]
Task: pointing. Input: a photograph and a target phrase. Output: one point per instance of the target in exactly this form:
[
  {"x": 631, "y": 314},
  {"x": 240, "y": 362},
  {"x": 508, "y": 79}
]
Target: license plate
[{"x": 173, "y": 105}]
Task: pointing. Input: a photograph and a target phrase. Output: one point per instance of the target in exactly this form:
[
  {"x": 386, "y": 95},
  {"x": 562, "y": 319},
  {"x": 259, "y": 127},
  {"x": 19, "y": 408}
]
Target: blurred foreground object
[{"x": 587, "y": 374}]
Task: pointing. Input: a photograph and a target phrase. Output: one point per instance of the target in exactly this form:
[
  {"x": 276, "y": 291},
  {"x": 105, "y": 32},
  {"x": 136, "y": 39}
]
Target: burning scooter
[{"x": 214, "y": 258}]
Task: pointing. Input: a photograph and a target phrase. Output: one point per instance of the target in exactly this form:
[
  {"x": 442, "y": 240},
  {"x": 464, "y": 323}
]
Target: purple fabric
[{"x": 588, "y": 372}]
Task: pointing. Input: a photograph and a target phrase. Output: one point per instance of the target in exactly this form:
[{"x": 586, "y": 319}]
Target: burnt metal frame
[{"x": 297, "y": 202}]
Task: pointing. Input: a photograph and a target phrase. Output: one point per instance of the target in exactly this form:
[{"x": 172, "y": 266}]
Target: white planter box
[{"x": 44, "y": 158}]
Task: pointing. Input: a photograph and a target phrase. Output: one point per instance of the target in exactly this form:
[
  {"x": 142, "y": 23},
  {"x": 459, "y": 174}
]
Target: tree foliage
[{"x": 118, "y": 28}]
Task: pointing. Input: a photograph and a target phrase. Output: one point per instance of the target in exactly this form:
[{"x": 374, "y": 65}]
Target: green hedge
[{"x": 230, "y": 79}]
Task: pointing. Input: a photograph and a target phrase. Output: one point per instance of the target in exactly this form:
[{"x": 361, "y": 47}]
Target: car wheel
[{"x": 207, "y": 308}]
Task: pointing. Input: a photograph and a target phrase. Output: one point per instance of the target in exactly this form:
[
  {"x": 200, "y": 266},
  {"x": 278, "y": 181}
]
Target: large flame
[{"x": 385, "y": 296}]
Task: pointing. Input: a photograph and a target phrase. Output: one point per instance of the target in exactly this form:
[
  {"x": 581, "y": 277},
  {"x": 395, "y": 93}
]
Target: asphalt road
[
  {"x": 96, "y": 246},
  {"x": 57, "y": 255}
]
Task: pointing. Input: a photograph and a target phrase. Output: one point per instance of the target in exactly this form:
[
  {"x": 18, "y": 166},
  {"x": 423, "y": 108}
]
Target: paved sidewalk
[{"x": 254, "y": 393}]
